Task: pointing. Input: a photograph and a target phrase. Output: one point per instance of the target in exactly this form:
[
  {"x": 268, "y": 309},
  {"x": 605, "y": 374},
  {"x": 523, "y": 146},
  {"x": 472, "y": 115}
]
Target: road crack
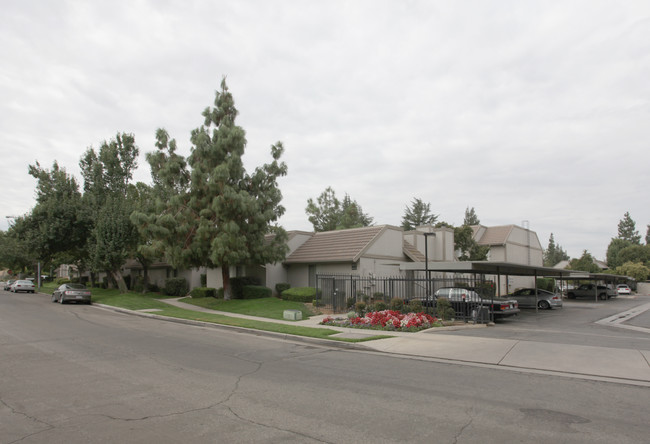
[
  {"x": 30, "y": 418},
  {"x": 462, "y": 429}
]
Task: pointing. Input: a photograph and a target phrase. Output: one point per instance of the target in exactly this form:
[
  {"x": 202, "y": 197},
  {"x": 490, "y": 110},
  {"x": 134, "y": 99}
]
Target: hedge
[
  {"x": 203, "y": 292},
  {"x": 176, "y": 287},
  {"x": 237, "y": 285},
  {"x": 299, "y": 294},
  {"x": 280, "y": 287},
  {"x": 256, "y": 292}
]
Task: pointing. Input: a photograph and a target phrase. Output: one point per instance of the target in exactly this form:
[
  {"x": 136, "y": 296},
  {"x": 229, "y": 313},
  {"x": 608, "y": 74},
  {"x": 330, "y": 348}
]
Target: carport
[
  {"x": 506, "y": 269},
  {"x": 607, "y": 279}
]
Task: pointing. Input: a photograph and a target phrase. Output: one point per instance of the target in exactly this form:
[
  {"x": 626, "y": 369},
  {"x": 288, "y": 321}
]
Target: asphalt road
[
  {"x": 81, "y": 374},
  {"x": 574, "y": 323}
]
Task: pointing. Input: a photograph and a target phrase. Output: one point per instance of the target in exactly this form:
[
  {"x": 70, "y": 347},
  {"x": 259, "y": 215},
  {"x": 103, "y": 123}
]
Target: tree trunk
[
  {"x": 119, "y": 279},
  {"x": 145, "y": 274},
  {"x": 145, "y": 278},
  {"x": 225, "y": 274}
]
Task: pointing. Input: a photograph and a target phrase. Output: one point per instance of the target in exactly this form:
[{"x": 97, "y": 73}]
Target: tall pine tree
[{"x": 223, "y": 217}]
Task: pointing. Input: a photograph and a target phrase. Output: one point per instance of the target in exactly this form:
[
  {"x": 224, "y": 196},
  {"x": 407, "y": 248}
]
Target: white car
[
  {"x": 623, "y": 289},
  {"x": 23, "y": 285}
]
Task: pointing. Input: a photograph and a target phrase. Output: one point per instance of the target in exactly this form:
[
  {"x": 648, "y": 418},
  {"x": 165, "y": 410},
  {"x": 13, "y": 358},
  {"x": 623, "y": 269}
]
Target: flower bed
[{"x": 385, "y": 320}]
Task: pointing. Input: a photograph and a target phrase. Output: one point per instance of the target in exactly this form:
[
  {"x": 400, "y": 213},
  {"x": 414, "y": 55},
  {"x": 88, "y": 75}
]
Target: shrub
[
  {"x": 415, "y": 306},
  {"x": 547, "y": 284},
  {"x": 444, "y": 310},
  {"x": 317, "y": 303},
  {"x": 486, "y": 289},
  {"x": 61, "y": 281},
  {"x": 349, "y": 303},
  {"x": 280, "y": 287},
  {"x": 256, "y": 292},
  {"x": 396, "y": 304},
  {"x": 176, "y": 287},
  {"x": 220, "y": 293},
  {"x": 138, "y": 284},
  {"x": 360, "y": 308},
  {"x": 237, "y": 285},
  {"x": 154, "y": 288},
  {"x": 299, "y": 294},
  {"x": 380, "y": 306},
  {"x": 379, "y": 296},
  {"x": 203, "y": 292}
]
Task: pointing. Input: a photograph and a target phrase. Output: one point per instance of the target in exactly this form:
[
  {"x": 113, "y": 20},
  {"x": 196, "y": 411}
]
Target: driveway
[{"x": 576, "y": 324}]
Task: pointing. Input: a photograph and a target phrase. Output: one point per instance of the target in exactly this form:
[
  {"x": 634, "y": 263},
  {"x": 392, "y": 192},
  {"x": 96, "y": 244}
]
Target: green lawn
[
  {"x": 267, "y": 307},
  {"x": 272, "y": 308}
]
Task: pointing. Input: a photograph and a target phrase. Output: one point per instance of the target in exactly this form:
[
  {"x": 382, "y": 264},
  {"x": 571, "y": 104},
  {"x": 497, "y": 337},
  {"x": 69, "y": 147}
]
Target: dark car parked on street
[{"x": 71, "y": 292}]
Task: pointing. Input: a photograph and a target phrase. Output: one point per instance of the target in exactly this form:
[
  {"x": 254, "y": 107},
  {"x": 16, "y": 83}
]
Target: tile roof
[
  {"x": 413, "y": 253},
  {"x": 335, "y": 246},
  {"x": 494, "y": 235}
]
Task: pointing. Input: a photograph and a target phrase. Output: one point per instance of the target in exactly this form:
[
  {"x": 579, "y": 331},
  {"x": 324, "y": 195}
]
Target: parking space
[{"x": 575, "y": 323}]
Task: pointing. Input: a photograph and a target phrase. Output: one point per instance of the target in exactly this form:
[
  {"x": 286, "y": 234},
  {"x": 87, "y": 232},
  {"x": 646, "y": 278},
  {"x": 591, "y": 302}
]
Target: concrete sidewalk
[{"x": 619, "y": 365}]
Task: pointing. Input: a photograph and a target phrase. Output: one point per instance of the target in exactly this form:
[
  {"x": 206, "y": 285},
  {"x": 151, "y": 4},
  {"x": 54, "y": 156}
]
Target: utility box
[{"x": 292, "y": 315}]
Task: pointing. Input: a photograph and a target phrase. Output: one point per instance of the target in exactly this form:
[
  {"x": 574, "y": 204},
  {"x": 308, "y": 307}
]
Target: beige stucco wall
[
  {"x": 519, "y": 254},
  {"x": 298, "y": 275},
  {"x": 388, "y": 244},
  {"x": 379, "y": 267},
  {"x": 441, "y": 246}
]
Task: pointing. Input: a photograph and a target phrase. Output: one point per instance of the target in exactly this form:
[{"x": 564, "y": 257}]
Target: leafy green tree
[
  {"x": 647, "y": 236},
  {"x": 470, "y": 217},
  {"x": 58, "y": 223},
  {"x": 15, "y": 255},
  {"x": 636, "y": 270},
  {"x": 585, "y": 263},
  {"x": 324, "y": 214},
  {"x": 627, "y": 229},
  {"x": 159, "y": 221},
  {"x": 418, "y": 214},
  {"x": 115, "y": 237},
  {"x": 107, "y": 177},
  {"x": 224, "y": 217},
  {"x": 613, "y": 250},
  {"x": 554, "y": 253},
  {"x": 144, "y": 199},
  {"x": 352, "y": 216},
  {"x": 634, "y": 253},
  {"x": 466, "y": 247},
  {"x": 328, "y": 213}
]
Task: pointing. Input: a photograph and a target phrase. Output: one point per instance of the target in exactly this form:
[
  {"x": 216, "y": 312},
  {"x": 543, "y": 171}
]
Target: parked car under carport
[{"x": 531, "y": 298}]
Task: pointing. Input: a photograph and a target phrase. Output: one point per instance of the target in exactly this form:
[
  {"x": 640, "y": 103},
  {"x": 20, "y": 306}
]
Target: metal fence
[{"x": 340, "y": 293}]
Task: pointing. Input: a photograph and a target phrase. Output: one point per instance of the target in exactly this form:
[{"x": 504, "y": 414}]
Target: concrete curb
[{"x": 284, "y": 336}]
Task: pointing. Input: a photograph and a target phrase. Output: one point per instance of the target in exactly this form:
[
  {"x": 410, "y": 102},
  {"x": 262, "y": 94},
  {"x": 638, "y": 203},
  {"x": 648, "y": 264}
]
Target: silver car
[
  {"x": 23, "y": 285},
  {"x": 71, "y": 292},
  {"x": 545, "y": 299}
]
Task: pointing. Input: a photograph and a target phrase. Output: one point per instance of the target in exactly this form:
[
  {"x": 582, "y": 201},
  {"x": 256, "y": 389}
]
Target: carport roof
[
  {"x": 506, "y": 268},
  {"x": 485, "y": 267}
]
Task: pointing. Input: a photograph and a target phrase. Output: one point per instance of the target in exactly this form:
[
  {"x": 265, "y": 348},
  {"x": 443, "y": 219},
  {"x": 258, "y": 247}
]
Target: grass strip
[
  {"x": 272, "y": 308},
  {"x": 147, "y": 301}
]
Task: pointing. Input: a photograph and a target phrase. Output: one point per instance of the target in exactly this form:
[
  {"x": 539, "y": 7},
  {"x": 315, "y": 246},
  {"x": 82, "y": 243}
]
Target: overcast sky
[{"x": 526, "y": 111}]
